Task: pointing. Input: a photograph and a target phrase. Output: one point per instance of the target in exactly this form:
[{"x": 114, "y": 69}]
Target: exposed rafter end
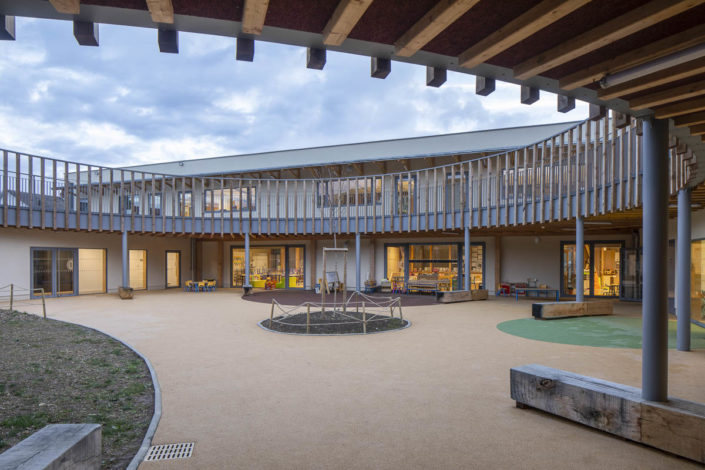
[
  {"x": 315, "y": 58},
  {"x": 162, "y": 11},
  {"x": 596, "y": 112},
  {"x": 698, "y": 129},
  {"x": 169, "y": 41},
  {"x": 86, "y": 33},
  {"x": 565, "y": 103},
  {"x": 435, "y": 76},
  {"x": 7, "y": 28},
  {"x": 529, "y": 94},
  {"x": 380, "y": 67},
  {"x": 484, "y": 85},
  {"x": 69, "y": 7},
  {"x": 245, "y": 49}
]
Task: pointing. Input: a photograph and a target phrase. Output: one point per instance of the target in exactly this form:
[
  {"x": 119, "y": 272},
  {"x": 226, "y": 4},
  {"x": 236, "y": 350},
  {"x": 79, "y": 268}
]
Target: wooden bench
[
  {"x": 676, "y": 426},
  {"x": 57, "y": 447},
  {"x": 450, "y": 296},
  {"x": 554, "y": 310}
]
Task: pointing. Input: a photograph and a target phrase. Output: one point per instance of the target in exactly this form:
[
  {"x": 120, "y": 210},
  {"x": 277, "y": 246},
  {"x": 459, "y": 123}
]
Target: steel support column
[
  {"x": 579, "y": 259},
  {"x": 125, "y": 261},
  {"x": 683, "y": 271},
  {"x": 357, "y": 261},
  {"x": 246, "y": 281},
  {"x": 654, "y": 365},
  {"x": 466, "y": 273}
]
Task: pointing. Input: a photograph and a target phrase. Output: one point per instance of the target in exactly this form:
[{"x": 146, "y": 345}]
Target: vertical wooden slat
[
  {"x": 534, "y": 153},
  {"x": 132, "y": 201},
  {"x": 89, "y": 197},
  {"x": 347, "y": 206},
  {"x": 143, "y": 197},
  {"x": 411, "y": 188},
  {"x": 498, "y": 182},
  {"x": 338, "y": 206},
  {"x": 488, "y": 189},
  {"x": 505, "y": 190},
  {"x": 5, "y": 189},
  {"x": 193, "y": 204},
  {"x": 593, "y": 139},
  {"x": 542, "y": 175},
  {"x": 100, "y": 199},
  {"x": 571, "y": 180},
  {"x": 53, "y": 192},
  {"x": 67, "y": 197},
  {"x": 240, "y": 203},
  {"x": 452, "y": 195},
  {"x": 629, "y": 156},
  {"x": 470, "y": 193},
  {"x": 222, "y": 205},
  {"x": 174, "y": 197},
  {"x": 384, "y": 202},
  {"x": 551, "y": 181},
  {"x": 77, "y": 166},
  {"x": 162, "y": 201},
  {"x": 605, "y": 161},
  {"x": 613, "y": 163},
  {"x": 463, "y": 194},
  {"x": 30, "y": 190},
  {"x": 435, "y": 198},
  {"x": 111, "y": 202},
  {"x": 42, "y": 194},
  {"x": 561, "y": 143},
  {"x": 515, "y": 189}
]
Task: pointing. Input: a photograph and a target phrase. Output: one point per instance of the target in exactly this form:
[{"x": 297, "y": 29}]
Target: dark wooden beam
[
  {"x": 162, "y": 11},
  {"x": 689, "y": 119},
  {"x": 435, "y": 76},
  {"x": 517, "y": 30},
  {"x": 438, "y": 18},
  {"x": 245, "y": 49},
  {"x": 670, "y": 75},
  {"x": 679, "y": 108},
  {"x": 596, "y": 112},
  {"x": 698, "y": 129},
  {"x": 86, "y": 33},
  {"x": 565, "y": 103},
  {"x": 7, "y": 28},
  {"x": 651, "y": 51},
  {"x": 621, "y": 120},
  {"x": 253, "y": 16},
  {"x": 380, "y": 67},
  {"x": 668, "y": 96},
  {"x": 315, "y": 58},
  {"x": 529, "y": 95},
  {"x": 484, "y": 85},
  {"x": 169, "y": 41},
  {"x": 344, "y": 19},
  {"x": 69, "y": 7},
  {"x": 603, "y": 35}
]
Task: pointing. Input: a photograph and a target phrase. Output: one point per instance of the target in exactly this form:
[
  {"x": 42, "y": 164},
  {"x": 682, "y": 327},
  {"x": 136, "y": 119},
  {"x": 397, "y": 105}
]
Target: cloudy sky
[{"x": 126, "y": 103}]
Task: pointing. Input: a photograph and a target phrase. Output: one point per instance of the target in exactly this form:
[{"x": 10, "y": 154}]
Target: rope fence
[
  {"x": 366, "y": 310},
  {"x": 12, "y": 296}
]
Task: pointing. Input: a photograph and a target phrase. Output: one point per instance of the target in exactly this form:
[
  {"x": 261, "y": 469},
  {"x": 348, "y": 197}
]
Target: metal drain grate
[{"x": 170, "y": 451}]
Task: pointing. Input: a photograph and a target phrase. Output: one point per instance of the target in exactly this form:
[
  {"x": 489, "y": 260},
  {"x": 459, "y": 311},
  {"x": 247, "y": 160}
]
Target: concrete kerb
[
  {"x": 260, "y": 324},
  {"x": 147, "y": 441}
]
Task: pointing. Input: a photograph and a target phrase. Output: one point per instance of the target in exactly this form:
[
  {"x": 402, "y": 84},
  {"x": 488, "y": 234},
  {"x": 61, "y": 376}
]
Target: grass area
[
  {"x": 607, "y": 331},
  {"x": 55, "y": 372}
]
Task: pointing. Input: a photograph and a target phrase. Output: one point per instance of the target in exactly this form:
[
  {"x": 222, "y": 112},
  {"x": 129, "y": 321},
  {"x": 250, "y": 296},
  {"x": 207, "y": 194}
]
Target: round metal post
[
  {"x": 466, "y": 272},
  {"x": 579, "y": 259},
  {"x": 655, "y": 223},
  {"x": 125, "y": 261},
  {"x": 683, "y": 271}
]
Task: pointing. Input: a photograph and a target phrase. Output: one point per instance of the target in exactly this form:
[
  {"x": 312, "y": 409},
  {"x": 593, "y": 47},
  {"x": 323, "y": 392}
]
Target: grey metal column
[
  {"x": 654, "y": 366},
  {"x": 246, "y": 282},
  {"x": 357, "y": 261},
  {"x": 125, "y": 261},
  {"x": 683, "y": 271},
  {"x": 466, "y": 273},
  {"x": 579, "y": 259}
]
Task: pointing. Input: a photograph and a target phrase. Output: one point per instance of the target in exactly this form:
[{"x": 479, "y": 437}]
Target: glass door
[
  {"x": 53, "y": 269},
  {"x": 173, "y": 269},
  {"x": 601, "y": 272},
  {"x": 569, "y": 285},
  {"x": 138, "y": 269},
  {"x": 607, "y": 272},
  {"x": 631, "y": 279},
  {"x": 295, "y": 267}
]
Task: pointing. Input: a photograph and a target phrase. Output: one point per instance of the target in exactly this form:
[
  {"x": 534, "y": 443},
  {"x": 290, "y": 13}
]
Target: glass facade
[
  {"x": 53, "y": 270},
  {"x": 442, "y": 263},
  {"x": 601, "y": 272},
  {"x": 271, "y": 267},
  {"x": 216, "y": 200},
  {"x": 358, "y": 192},
  {"x": 697, "y": 281}
]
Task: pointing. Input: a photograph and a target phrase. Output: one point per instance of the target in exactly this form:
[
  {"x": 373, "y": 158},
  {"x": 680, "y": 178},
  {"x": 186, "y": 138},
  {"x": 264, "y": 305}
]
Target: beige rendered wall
[{"x": 15, "y": 258}]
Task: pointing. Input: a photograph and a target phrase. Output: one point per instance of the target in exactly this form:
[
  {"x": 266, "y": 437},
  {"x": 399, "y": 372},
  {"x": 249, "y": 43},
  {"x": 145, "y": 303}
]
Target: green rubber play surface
[{"x": 605, "y": 332}]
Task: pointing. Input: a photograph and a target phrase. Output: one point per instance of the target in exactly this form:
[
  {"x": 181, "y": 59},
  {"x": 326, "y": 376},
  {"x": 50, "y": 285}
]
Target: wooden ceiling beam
[
  {"x": 70, "y": 7},
  {"x": 437, "y": 19},
  {"x": 537, "y": 18},
  {"x": 682, "y": 107},
  {"x": 253, "y": 16},
  {"x": 679, "y": 72},
  {"x": 655, "y": 50},
  {"x": 697, "y": 130},
  {"x": 359, "y": 168},
  {"x": 344, "y": 19},
  {"x": 603, "y": 35},
  {"x": 682, "y": 92},
  {"x": 162, "y": 11},
  {"x": 689, "y": 119}
]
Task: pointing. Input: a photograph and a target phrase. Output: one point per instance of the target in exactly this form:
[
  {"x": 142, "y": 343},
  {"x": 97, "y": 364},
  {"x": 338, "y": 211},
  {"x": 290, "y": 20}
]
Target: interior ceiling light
[{"x": 655, "y": 65}]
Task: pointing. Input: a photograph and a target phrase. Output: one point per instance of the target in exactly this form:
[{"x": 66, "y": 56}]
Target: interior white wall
[{"x": 15, "y": 253}]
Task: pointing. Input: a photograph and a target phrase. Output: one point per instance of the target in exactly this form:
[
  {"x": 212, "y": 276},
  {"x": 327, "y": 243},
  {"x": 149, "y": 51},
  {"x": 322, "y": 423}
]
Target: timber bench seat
[
  {"x": 446, "y": 297},
  {"x": 555, "y": 310},
  {"x": 57, "y": 447},
  {"x": 676, "y": 426}
]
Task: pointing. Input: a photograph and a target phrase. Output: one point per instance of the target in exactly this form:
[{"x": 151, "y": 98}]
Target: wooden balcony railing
[{"x": 592, "y": 168}]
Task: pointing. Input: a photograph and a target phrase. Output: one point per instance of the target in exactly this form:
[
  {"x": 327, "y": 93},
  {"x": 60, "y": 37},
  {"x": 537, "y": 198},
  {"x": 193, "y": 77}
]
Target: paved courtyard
[{"x": 435, "y": 395}]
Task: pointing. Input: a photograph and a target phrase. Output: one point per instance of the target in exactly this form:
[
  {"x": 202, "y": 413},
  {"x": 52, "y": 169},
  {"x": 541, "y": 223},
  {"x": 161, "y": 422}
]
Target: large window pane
[
  {"x": 138, "y": 269},
  {"x": 42, "y": 270},
  {"x": 395, "y": 263},
  {"x": 607, "y": 270},
  {"x": 296, "y": 267},
  {"x": 569, "y": 270},
  {"x": 64, "y": 272},
  {"x": 697, "y": 280},
  {"x": 91, "y": 271}
]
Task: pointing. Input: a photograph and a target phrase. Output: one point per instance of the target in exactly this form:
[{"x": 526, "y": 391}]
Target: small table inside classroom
[{"x": 538, "y": 291}]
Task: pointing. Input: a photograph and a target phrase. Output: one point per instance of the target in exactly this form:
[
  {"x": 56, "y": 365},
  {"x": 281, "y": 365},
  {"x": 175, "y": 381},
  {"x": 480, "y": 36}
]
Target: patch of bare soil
[
  {"x": 330, "y": 323},
  {"x": 55, "y": 372}
]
